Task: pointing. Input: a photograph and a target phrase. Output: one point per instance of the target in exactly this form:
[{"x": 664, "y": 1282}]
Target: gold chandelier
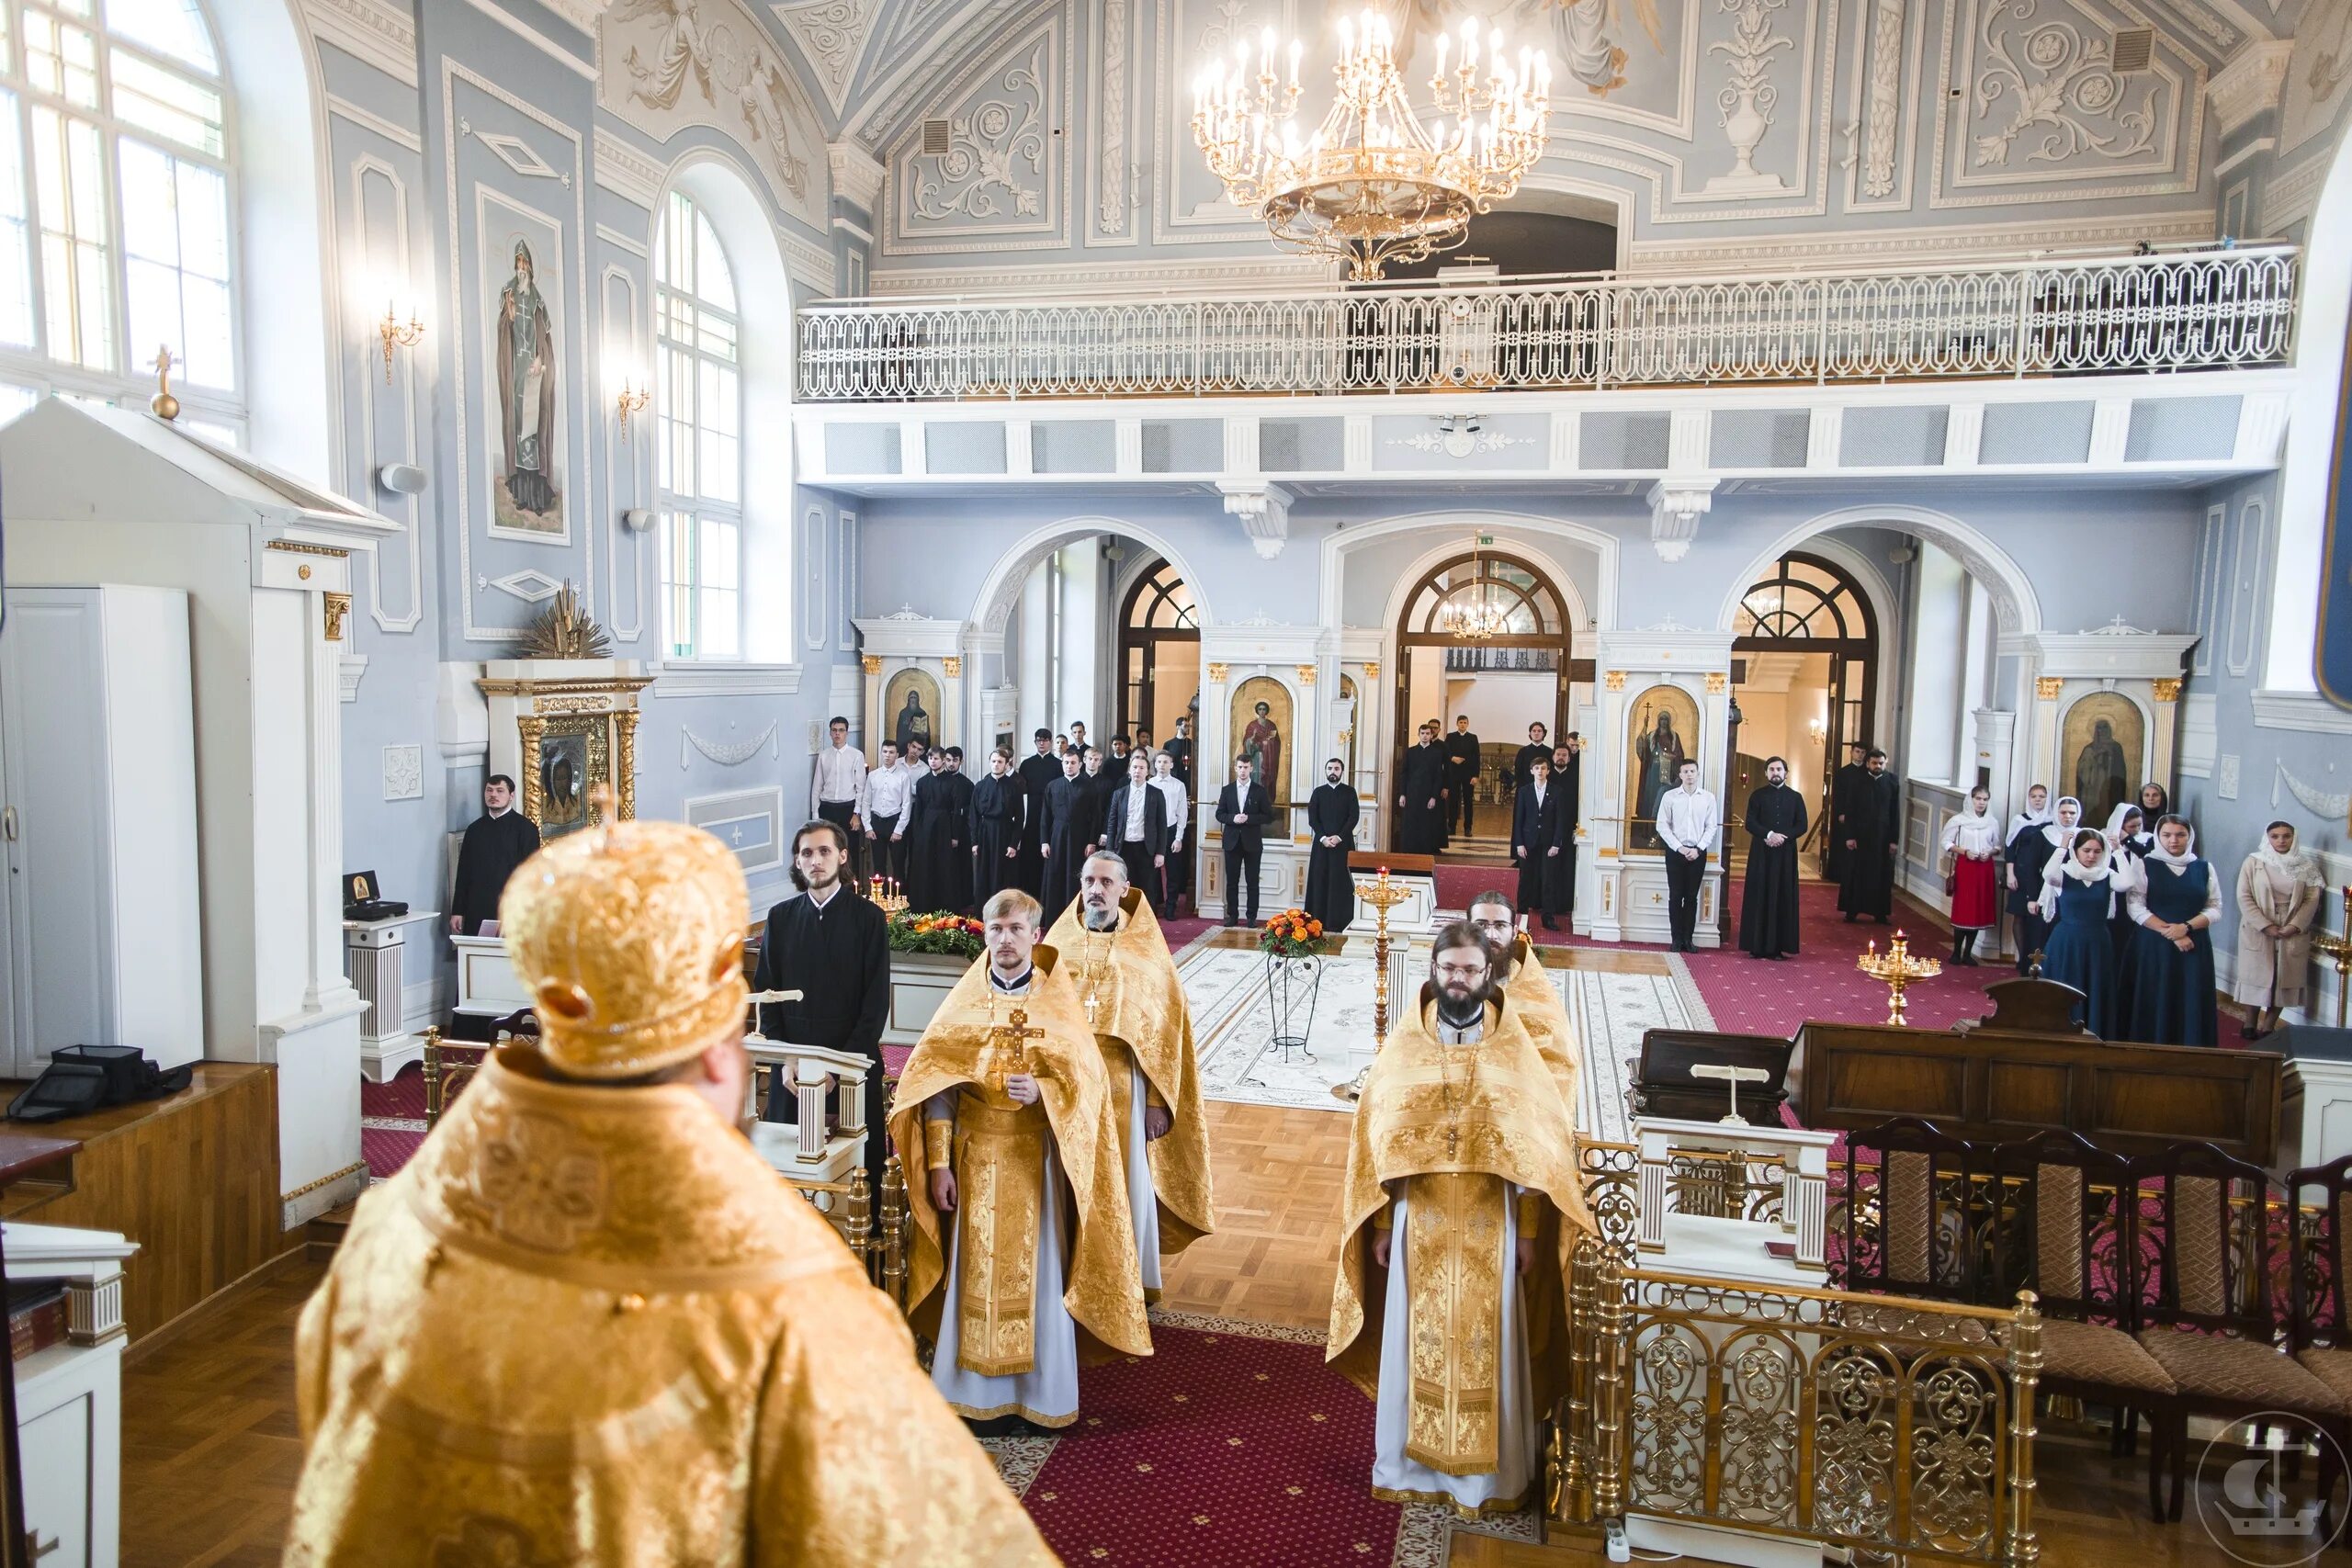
[{"x": 1374, "y": 182}]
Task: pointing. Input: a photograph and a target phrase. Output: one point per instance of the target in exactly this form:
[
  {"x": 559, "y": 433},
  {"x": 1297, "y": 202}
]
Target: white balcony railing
[{"x": 2195, "y": 310}]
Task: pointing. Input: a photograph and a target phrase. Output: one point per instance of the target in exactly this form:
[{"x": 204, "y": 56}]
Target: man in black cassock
[
  {"x": 1100, "y": 785},
  {"x": 997, "y": 824},
  {"x": 959, "y": 801},
  {"x": 1421, "y": 796},
  {"x": 1849, "y": 784},
  {"x": 1537, "y": 746},
  {"x": 1066, "y": 829},
  {"x": 939, "y": 874},
  {"x": 1539, "y": 830},
  {"x": 833, "y": 947},
  {"x": 496, "y": 842},
  {"x": 1567, "y": 777},
  {"x": 1768, "y": 904},
  {"x": 1331, "y": 813},
  {"x": 1180, "y": 751},
  {"x": 1037, "y": 771},
  {"x": 1870, "y": 842},
  {"x": 1462, "y": 774}
]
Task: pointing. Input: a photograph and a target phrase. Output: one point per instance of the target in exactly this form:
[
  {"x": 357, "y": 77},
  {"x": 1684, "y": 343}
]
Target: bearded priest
[
  {"x": 1459, "y": 1209},
  {"x": 1025, "y": 1251},
  {"x": 1521, "y": 975},
  {"x": 1127, "y": 982},
  {"x": 586, "y": 1323}
]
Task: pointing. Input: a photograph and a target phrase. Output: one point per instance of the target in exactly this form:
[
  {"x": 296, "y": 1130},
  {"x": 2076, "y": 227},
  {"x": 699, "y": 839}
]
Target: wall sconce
[
  {"x": 628, "y": 402},
  {"x": 398, "y": 335}
]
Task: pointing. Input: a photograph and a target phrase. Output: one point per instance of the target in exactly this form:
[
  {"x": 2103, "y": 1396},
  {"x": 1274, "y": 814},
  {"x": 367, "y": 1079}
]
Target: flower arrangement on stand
[
  {"x": 1293, "y": 934},
  {"x": 949, "y": 935}
]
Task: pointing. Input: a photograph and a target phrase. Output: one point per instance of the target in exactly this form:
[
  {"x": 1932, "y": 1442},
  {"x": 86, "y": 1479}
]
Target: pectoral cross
[
  {"x": 1734, "y": 1077},
  {"x": 1006, "y": 1041}
]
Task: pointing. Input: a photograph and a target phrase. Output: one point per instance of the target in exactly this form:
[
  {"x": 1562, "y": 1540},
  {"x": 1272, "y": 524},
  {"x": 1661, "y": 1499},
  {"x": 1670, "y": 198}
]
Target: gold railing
[
  {"x": 879, "y": 1241},
  {"x": 1869, "y": 1422}
]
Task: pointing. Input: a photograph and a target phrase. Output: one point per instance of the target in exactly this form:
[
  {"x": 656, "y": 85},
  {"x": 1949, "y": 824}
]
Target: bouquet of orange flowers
[
  {"x": 1293, "y": 934},
  {"x": 955, "y": 936}
]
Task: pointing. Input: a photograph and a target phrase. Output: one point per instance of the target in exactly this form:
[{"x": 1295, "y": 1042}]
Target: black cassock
[
  {"x": 1540, "y": 827},
  {"x": 1523, "y": 769},
  {"x": 1845, "y": 786},
  {"x": 1330, "y": 889},
  {"x": 996, "y": 829},
  {"x": 1100, "y": 788},
  {"x": 493, "y": 847},
  {"x": 1866, "y": 886},
  {"x": 839, "y": 959},
  {"x": 1179, "y": 758},
  {"x": 1421, "y": 827},
  {"x": 939, "y": 874},
  {"x": 1070, "y": 821},
  {"x": 1768, "y": 904},
  {"x": 1036, "y": 773}
]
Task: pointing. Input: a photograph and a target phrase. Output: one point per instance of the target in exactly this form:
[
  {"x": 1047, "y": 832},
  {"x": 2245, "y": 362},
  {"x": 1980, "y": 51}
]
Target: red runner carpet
[{"x": 1231, "y": 1444}]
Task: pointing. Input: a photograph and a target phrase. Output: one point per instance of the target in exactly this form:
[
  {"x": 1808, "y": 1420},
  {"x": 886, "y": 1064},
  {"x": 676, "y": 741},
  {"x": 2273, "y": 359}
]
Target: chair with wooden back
[
  {"x": 2212, "y": 1320},
  {"x": 2075, "y": 1248},
  {"x": 1911, "y": 1212}
]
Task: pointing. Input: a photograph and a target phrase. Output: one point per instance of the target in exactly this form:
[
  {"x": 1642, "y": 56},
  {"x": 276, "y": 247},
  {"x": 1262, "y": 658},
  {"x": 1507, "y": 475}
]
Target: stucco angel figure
[
  {"x": 763, "y": 104},
  {"x": 683, "y": 50},
  {"x": 1589, "y": 31}
]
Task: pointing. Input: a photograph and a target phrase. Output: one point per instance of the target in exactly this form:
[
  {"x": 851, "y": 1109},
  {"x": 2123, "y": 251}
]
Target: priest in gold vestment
[
  {"x": 586, "y": 1323},
  {"x": 1024, "y": 1252},
  {"x": 1459, "y": 1211},
  {"x": 1523, "y": 980},
  {"x": 1126, "y": 981}
]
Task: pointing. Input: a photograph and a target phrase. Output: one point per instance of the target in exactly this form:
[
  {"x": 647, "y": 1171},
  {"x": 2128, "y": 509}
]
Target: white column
[{"x": 1037, "y": 693}]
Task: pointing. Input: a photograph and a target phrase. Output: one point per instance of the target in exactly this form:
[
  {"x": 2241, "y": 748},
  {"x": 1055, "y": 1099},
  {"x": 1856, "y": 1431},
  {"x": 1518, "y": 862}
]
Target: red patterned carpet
[{"x": 1231, "y": 1444}]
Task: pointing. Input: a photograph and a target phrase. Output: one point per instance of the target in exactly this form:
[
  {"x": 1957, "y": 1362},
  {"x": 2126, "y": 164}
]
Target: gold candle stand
[
  {"x": 1383, "y": 896},
  {"x": 2339, "y": 948},
  {"x": 1896, "y": 968}
]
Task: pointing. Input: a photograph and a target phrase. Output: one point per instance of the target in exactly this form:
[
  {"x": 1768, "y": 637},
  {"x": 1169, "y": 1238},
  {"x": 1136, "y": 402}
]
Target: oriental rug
[{"x": 1231, "y": 1444}]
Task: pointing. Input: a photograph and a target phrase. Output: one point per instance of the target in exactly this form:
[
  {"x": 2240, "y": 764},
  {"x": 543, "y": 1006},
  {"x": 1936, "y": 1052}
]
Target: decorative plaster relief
[
  {"x": 404, "y": 773},
  {"x": 1882, "y": 116},
  {"x": 2044, "y": 104},
  {"x": 1003, "y": 180},
  {"x": 831, "y": 34},
  {"x": 1111, "y": 200},
  {"x": 1461, "y": 437},
  {"x": 528, "y": 586},
  {"x": 516, "y": 154},
  {"x": 2328, "y": 808},
  {"x": 2319, "y": 76},
  {"x": 1746, "y": 101},
  {"x": 727, "y": 754},
  {"x": 665, "y": 65}
]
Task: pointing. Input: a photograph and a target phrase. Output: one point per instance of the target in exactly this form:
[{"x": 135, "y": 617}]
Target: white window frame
[
  {"x": 133, "y": 380},
  {"x": 674, "y": 506}
]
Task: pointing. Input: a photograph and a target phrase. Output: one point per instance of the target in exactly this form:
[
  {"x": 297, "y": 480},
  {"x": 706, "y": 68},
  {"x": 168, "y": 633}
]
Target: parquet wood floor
[{"x": 211, "y": 1448}]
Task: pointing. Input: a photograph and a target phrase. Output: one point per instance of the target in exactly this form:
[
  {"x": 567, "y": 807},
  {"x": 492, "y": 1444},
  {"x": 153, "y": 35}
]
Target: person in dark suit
[
  {"x": 833, "y": 946},
  {"x": 1180, "y": 751},
  {"x": 1137, "y": 830},
  {"x": 1461, "y": 773},
  {"x": 1539, "y": 830},
  {"x": 496, "y": 842},
  {"x": 1241, "y": 810}
]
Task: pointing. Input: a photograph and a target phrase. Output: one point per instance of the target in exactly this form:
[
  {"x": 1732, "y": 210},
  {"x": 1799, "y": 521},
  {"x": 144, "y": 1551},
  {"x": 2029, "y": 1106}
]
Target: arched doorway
[
  {"x": 1804, "y": 676},
  {"x": 1160, "y": 651},
  {"x": 1486, "y": 635}
]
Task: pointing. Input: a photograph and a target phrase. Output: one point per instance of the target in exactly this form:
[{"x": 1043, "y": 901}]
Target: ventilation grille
[
  {"x": 2135, "y": 48},
  {"x": 939, "y": 135}
]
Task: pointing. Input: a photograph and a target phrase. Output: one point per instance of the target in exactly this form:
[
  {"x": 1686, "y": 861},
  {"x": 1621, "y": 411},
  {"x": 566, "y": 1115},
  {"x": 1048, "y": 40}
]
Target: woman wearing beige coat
[{"x": 2278, "y": 892}]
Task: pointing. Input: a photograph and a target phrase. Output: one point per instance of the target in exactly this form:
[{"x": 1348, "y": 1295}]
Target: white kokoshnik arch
[
  {"x": 2016, "y": 604},
  {"x": 999, "y": 592}
]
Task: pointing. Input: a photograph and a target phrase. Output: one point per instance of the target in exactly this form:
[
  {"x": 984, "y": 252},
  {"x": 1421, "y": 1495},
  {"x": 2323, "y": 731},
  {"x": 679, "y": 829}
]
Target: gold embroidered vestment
[
  {"x": 1139, "y": 1015},
  {"x": 1529, "y": 990},
  {"x": 999, "y": 1159},
  {"x": 591, "y": 1326}
]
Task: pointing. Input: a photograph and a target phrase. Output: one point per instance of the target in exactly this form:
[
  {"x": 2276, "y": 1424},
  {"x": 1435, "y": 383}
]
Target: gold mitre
[{"x": 630, "y": 938}]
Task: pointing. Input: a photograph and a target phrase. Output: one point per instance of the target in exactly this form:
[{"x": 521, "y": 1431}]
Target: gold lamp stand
[
  {"x": 1895, "y": 969},
  {"x": 1383, "y": 896}
]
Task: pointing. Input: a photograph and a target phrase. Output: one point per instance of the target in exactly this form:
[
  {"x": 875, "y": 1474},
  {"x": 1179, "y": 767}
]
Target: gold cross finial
[{"x": 165, "y": 405}]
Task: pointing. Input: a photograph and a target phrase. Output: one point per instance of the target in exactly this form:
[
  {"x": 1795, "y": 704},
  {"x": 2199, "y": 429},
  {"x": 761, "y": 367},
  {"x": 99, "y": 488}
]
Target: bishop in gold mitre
[
  {"x": 1126, "y": 981},
  {"x": 1525, "y": 983},
  {"x": 1023, "y": 1254},
  {"x": 1459, "y": 1209},
  {"x": 586, "y": 1323}
]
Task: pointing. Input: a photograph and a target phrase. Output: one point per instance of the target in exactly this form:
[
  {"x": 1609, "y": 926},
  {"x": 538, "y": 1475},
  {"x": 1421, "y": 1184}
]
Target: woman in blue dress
[
  {"x": 2175, "y": 905},
  {"x": 2127, "y": 850},
  {"x": 2082, "y": 893}
]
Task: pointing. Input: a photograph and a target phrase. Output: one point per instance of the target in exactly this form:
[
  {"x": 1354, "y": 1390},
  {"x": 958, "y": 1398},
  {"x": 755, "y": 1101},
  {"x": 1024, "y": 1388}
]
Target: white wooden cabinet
[
  {"x": 68, "y": 1397},
  {"x": 97, "y": 778}
]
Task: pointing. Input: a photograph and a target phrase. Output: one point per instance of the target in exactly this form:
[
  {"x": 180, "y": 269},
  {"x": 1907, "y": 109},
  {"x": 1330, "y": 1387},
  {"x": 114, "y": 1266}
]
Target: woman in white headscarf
[
  {"x": 2278, "y": 896},
  {"x": 2058, "y": 833},
  {"x": 2085, "y": 890},
  {"x": 2128, "y": 847},
  {"x": 1972, "y": 843}
]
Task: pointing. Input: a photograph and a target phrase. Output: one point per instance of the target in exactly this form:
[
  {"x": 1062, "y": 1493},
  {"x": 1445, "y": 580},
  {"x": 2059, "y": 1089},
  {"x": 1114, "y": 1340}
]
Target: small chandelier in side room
[
  {"x": 1374, "y": 183},
  {"x": 1471, "y": 613}
]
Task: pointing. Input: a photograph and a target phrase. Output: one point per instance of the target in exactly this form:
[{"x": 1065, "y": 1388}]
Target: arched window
[
  {"x": 1160, "y": 652},
  {"x": 115, "y": 202},
  {"x": 699, "y": 460}
]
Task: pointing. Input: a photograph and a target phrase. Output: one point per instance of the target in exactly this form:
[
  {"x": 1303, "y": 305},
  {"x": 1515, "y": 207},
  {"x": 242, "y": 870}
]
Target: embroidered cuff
[
  {"x": 1530, "y": 1213},
  {"x": 939, "y": 1144},
  {"x": 1385, "y": 1217}
]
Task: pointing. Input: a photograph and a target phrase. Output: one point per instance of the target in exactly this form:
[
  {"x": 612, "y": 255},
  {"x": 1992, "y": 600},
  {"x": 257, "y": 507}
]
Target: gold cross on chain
[{"x": 1006, "y": 1041}]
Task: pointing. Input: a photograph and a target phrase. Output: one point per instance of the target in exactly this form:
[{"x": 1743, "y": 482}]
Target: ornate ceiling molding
[
  {"x": 832, "y": 36},
  {"x": 2249, "y": 85}
]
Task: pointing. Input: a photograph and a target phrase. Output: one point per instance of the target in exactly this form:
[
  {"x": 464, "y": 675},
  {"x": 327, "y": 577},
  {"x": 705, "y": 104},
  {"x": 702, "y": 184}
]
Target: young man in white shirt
[
  {"x": 1180, "y": 840},
  {"x": 1689, "y": 820},
  {"x": 889, "y": 792},
  {"x": 837, "y": 788}
]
